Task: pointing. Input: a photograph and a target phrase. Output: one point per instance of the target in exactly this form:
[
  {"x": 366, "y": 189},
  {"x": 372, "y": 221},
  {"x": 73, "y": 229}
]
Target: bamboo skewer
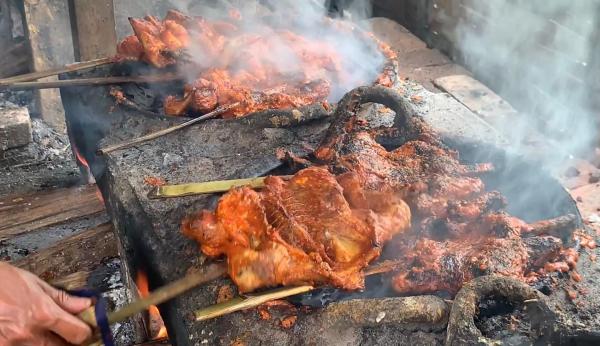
[
  {"x": 157, "y": 134},
  {"x": 212, "y": 272},
  {"x": 159, "y": 296},
  {"x": 170, "y": 191},
  {"x": 67, "y": 68},
  {"x": 90, "y": 82},
  {"x": 247, "y": 302},
  {"x": 252, "y": 301}
]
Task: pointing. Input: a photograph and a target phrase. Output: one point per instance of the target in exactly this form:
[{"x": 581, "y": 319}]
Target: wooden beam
[
  {"x": 96, "y": 35},
  {"x": 21, "y": 214},
  {"x": 70, "y": 261}
]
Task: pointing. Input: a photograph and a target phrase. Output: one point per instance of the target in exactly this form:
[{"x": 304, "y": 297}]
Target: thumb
[{"x": 65, "y": 301}]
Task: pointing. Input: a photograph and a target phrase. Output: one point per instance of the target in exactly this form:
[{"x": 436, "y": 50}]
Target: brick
[
  {"x": 397, "y": 36},
  {"x": 15, "y": 127}
]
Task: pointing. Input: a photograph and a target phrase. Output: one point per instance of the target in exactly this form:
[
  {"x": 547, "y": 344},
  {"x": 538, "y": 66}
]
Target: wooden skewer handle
[
  {"x": 88, "y": 316},
  {"x": 158, "y": 296},
  {"x": 91, "y": 82},
  {"x": 67, "y": 68}
]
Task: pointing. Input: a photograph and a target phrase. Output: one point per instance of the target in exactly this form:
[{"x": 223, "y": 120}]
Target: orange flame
[
  {"x": 85, "y": 164},
  {"x": 156, "y": 326},
  {"x": 90, "y": 177}
]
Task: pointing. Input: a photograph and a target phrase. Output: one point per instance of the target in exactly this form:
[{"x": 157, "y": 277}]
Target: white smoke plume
[
  {"x": 361, "y": 61},
  {"x": 537, "y": 54}
]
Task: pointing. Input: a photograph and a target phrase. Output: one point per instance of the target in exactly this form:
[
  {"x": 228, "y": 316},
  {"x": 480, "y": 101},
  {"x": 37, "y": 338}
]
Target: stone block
[{"x": 15, "y": 127}]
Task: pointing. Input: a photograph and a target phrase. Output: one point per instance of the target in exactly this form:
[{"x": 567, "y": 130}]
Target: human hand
[{"x": 35, "y": 313}]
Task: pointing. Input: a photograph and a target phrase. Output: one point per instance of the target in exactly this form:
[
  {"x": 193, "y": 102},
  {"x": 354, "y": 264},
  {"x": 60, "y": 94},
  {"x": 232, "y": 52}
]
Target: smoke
[
  {"x": 289, "y": 31},
  {"x": 536, "y": 54}
]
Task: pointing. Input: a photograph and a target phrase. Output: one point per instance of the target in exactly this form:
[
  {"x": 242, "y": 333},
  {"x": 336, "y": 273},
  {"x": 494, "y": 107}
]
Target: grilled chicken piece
[
  {"x": 266, "y": 68},
  {"x": 312, "y": 229},
  {"x": 458, "y": 252},
  {"x": 459, "y": 230},
  {"x": 156, "y": 41}
]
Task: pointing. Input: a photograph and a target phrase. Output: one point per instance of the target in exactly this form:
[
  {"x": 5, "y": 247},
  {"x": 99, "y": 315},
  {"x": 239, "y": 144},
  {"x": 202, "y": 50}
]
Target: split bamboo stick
[
  {"x": 90, "y": 82},
  {"x": 53, "y": 72},
  {"x": 157, "y": 134},
  {"x": 171, "y": 191}
]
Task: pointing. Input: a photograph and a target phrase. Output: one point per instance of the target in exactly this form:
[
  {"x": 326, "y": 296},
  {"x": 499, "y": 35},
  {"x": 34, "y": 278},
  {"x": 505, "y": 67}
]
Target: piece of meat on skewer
[
  {"x": 460, "y": 231},
  {"x": 490, "y": 244},
  {"x": 260, "y": 69},
  {"x": 311, "y": 229}
]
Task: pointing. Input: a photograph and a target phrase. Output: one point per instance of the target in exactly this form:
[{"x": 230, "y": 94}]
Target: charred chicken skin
[
  {"x": 237, "y": 66},
  {"x": 315, "y": 228},
  {"x": 459, "y": 230}
]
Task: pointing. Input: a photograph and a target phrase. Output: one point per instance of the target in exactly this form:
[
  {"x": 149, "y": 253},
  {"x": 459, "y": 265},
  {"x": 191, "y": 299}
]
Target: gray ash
[{"x": 500, "y": 319}]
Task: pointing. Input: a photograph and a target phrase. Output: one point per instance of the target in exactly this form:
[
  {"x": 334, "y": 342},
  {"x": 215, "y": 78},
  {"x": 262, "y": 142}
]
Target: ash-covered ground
[{"x": 47, "y": 161}]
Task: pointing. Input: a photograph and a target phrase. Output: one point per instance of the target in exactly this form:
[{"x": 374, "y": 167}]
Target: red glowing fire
[
  {"x": 88, "y": 172},
  {"x": 156, "y": 325}
]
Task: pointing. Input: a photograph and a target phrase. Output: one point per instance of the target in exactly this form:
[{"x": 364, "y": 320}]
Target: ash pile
[{"x": 33, "y": 155}]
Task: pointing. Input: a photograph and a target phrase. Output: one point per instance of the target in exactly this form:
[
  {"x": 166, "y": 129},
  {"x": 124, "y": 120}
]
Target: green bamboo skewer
[{"x": 171, "y": 191}]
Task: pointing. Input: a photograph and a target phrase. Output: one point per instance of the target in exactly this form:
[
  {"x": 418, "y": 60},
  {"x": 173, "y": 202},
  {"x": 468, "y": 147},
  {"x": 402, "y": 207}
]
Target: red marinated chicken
[
  {"x": 459, "y": 231},
  {"x": 312, "y": 229},
  {"x": 261, "y": 69}
]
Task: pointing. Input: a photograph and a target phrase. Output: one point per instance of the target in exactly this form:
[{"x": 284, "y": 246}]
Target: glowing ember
[
  {"x": 156, "y": 328},
  {"x": 154, "y": 181},
  {"x": 83, "y": 163}
]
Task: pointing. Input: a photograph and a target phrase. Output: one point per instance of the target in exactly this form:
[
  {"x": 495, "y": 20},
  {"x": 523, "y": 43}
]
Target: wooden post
[
  {"x": 48, "y": 31},
  {"x": 95, "y": 35}
]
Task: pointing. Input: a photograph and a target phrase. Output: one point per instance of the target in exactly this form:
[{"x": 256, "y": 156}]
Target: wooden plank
[
  {"x": 72, "y": 281},
  {"x": 477, "y": 97},
  {"x": 96, "y": 35},
  {"x": 21, "y": 214},
  {"x": 72, "y": 259}
]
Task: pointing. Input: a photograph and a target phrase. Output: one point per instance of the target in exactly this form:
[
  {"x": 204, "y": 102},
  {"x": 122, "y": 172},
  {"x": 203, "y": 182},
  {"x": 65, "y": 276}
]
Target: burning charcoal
[
  {"x": 288, "y": 322},
  {"x": 461, "y": 324},
  {"x": 542, "y": 250}
]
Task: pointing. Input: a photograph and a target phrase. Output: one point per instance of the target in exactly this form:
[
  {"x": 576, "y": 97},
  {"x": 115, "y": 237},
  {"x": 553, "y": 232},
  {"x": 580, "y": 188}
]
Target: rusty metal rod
[{"x": 157, "y": 134}]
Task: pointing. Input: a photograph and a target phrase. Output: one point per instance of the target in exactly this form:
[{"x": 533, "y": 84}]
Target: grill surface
[{"x": 221, "y": 149}]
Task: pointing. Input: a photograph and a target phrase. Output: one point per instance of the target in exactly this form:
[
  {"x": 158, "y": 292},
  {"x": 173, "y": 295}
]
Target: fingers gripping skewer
[{"x": 159, "y": 296}]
